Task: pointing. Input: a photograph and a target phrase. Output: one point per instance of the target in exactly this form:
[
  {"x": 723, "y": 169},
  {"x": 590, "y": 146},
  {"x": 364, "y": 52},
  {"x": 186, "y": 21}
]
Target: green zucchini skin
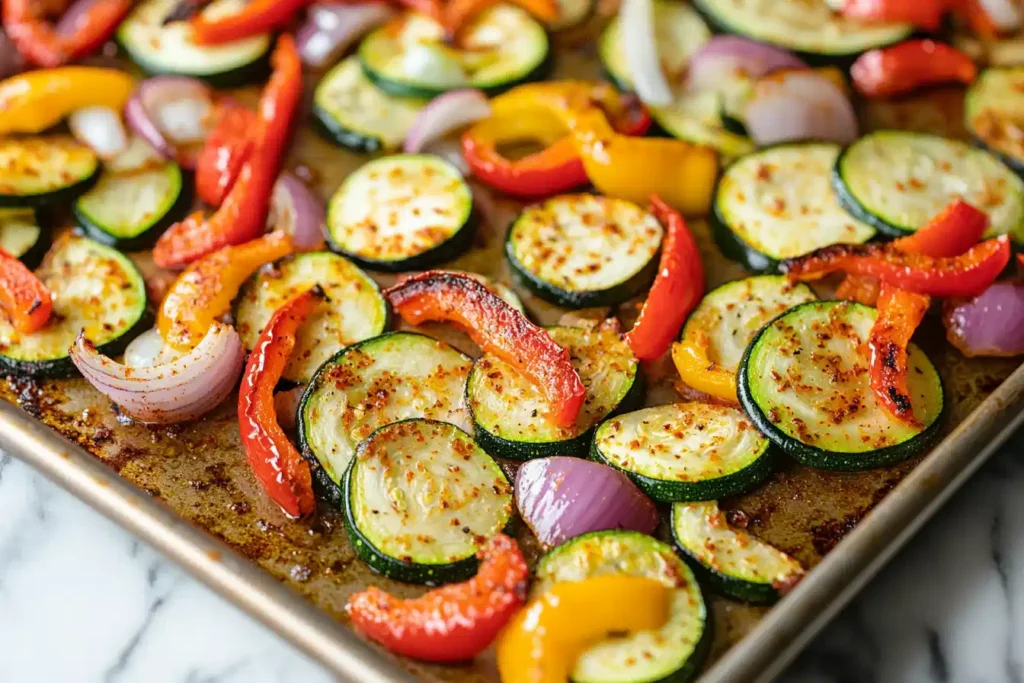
[
  {"x": 818, "y": 458},
  {"x": 856, "y": 209},
  {"x": 399, "y": 89},
  {"x": 448, "y": 250},
  {"x": 43, "y": 199},
  {"x": 521, "y": 451},
  {"x": 34, "y": 255},
  {"x": 734, "y": 248},
  {"x": 177, "y": 212},
  {"x": 329, "y": 128},
  {"x": 252, "y": 73}
]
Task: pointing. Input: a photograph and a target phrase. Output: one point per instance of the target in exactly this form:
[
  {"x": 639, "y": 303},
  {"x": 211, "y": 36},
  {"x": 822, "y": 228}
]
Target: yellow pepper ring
[
  {"x": 701, "y": 373},
  {"x": 34, "y": 101}
]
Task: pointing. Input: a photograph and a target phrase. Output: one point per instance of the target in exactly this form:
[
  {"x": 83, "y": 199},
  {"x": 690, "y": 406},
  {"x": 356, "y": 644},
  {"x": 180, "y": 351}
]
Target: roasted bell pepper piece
[
  {"x": 899, "y": 314},
  {"x": 204, "y": 291},
  {"x": 695, "y": 367},
  {"x": 24, "y": 299},
  {"x": 36, "y": 100},
  {"x": 225, "y": 152},
  {"x": 631, "y": 168},
  {"x": 243, "y": 214},
  {"x": 39, "y": 42},
  {"x": 677, "y": 289},
  {"x": 908, "y": 66},
  {"x": 283, "y": 472},
  {"x": 555, "y": 169},
  {"x": 926, "y": 14},
  {"x": 543, "y": 641},
  {"x": 965, "y": 275},
  {"x": 458, "y": 13},
  {"x": 497, "y": 328},
  {"x": 450, "y": 624},
  {"x": 259, "y": 16}
]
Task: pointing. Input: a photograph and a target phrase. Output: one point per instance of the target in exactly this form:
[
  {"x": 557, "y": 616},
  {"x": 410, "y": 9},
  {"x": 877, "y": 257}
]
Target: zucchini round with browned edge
[
  {"x": 729, "y": 316},
  {"x": 777, "y": 203},
  {"x": 353, "y": 310},
  {"x": 353, "y": 112},
  {"x": 804, "y": 381},
  {"x": 421, "y": 498},
  {"x": 37, "y": 171},
  {"x": 22, "y": 236},
  {"x": 131, "y": 211},
  {"x": 393, "y": 377},
  {"x": 897, "y": 181},
  {"x": 672, "y": 654},
  {"x": 993, "y": 109},
  {"x": 811, "y": 29},
  {"x": 502, "y": 47},
  {"x": 685, "y": 451},
  {"x": 94, "y": 288},
  {"x": 582, "y": 250},
  {"x": 509, "y": 412},
  {"x": 402, "y": 212},
  {"x": 734, "y": 562},
  {"x": 170, "y": 48}
]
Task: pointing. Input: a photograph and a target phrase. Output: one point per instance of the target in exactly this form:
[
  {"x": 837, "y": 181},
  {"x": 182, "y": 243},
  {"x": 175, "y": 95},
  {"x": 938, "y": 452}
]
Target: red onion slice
[
  {"x": 295, "y": 210},
  {"x": 176, "y": 391},
  {"x": 560, "y": 498},
  {"x": 991, "y": 324},
  {"x": 170, "y": 112},
  {"x": 799, "y": 105},
  {"x": 446, "y": 113},
  {"x": 641, "y": 46},
  {"x": 73, "y": 18},
  {"x": 724, "y": 56},
  {"x": 99, "y": 128},
  {"x": 331, "y": 29}
]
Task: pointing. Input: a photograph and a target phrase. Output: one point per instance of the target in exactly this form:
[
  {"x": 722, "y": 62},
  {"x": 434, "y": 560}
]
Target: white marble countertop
[{"x": 82, "y": 601}]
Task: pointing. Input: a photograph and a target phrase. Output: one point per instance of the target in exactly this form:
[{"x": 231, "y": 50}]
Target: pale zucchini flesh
[
  {"x": 19, "y": 232},
  {"x": 994, "y": 113},
  {"x": 40, "y": 170}
]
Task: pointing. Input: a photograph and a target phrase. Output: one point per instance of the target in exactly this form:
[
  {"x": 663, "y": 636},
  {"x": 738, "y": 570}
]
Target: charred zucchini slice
[{"x": 36, "y": 171}]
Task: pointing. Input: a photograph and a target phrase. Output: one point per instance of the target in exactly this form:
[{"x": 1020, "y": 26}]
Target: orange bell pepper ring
[{"x": 24, "y": 299}]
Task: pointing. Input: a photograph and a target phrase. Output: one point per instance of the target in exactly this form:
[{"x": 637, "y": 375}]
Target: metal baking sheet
[{"x": 188, "y": 491}]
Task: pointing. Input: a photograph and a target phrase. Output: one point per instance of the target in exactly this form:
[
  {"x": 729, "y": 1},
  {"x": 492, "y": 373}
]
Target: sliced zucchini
[
  {"x": 402, "y": 212},
  {"x": 804, "y": 381},
  {"x": 700, "y": 118},
  {"x": 354, "y": 309},
  {"x": 897, "y": 181},
  {"x": 131, "y": 211},
  {"x": 355, "y": 113},
  {"x": 673, "y": 653},
  {"x": 808, "y": 27},
  {"x": 393, "y": 377},
  {"x": 685, "y": 451},
  {"x": 37, "y": 171},
  {"x": 94, "y": 288},
  {"x": 571, "y": 13},
  {"x": 421, "y": 498},
  {"x": 737, "y": 564},
  {"x": 777, "y": 203},
  {"x": 994, "y": 113},
  {"x": 581, "y": 250},
  {"x": 504, "y": 46},
  {"x": 22, "y": 237},
  {"x": 160, "y": 48},
  {"x": 728, "y": 317},
  {"x": 510, "y": 413}
]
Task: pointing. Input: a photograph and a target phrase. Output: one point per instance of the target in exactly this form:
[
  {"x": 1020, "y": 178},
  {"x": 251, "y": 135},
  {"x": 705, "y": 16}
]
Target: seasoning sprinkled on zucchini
[
  {"x": 994, "y": 113},
  {"x": 36, "y": 171}
]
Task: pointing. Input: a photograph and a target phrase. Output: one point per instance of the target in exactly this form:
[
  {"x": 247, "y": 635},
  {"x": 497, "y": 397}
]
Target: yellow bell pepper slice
[
  {"x": 543, "y": 641},
  {"x": 699, "y": 372},
  {"x": 36, "y": 100}
]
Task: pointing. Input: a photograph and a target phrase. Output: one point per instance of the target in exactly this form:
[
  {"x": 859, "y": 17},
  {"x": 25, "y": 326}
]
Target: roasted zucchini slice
[
  {"x": 37, "y": 171},
  {"x": 22, "y": 236},
  {"x": 994, "y": 113}
]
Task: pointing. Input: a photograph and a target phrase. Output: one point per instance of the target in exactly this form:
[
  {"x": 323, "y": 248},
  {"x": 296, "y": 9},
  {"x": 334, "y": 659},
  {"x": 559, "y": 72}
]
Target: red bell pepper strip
[
  {"x": 259, "y": 16},
  {"x": 274, "y": 460},
  {"x": 952, "y": 232},
  {"x": 39, "y": 42},
  {"x": 899, "y": 314},
  {"x": 967, "y": 275},
  {"x": 497, "y": 328},
  {"x": 676, "y": 291},
  {"x": 23, "y": 298},
  {"x": 243, "y": 214},
  {"x": 225, "y": 152},
  {"x": 910, "y": 65},
  {"x": 926, "y": 14},
  {"x": 450, "y": 624}
]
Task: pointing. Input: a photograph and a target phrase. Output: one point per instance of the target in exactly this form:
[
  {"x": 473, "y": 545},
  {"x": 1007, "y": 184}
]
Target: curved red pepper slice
[
  {"x": 953, "y": 231},
  {"x": 926, "y": 14},
  {"x": 910, "y": 65},
  {"x": 226, "y": 150},
  {"x": 243, "y": 215},
  {"x": 277, "y": 464},
  {"x": 899, "y": 314},
  {"x": 450, "y": 624},
  {"x": 966, "y": 275},
  {"x": 38, "y": 41},
  {"x": 497, "y": 328},
  {"x": 23, "y": 298},
  {"x": 676, "y": 291},
  {"x": 259, "y": 16}
]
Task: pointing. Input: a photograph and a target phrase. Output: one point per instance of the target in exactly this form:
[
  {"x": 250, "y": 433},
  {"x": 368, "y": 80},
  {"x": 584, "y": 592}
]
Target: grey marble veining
[{"x": 81, "y": 601}]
